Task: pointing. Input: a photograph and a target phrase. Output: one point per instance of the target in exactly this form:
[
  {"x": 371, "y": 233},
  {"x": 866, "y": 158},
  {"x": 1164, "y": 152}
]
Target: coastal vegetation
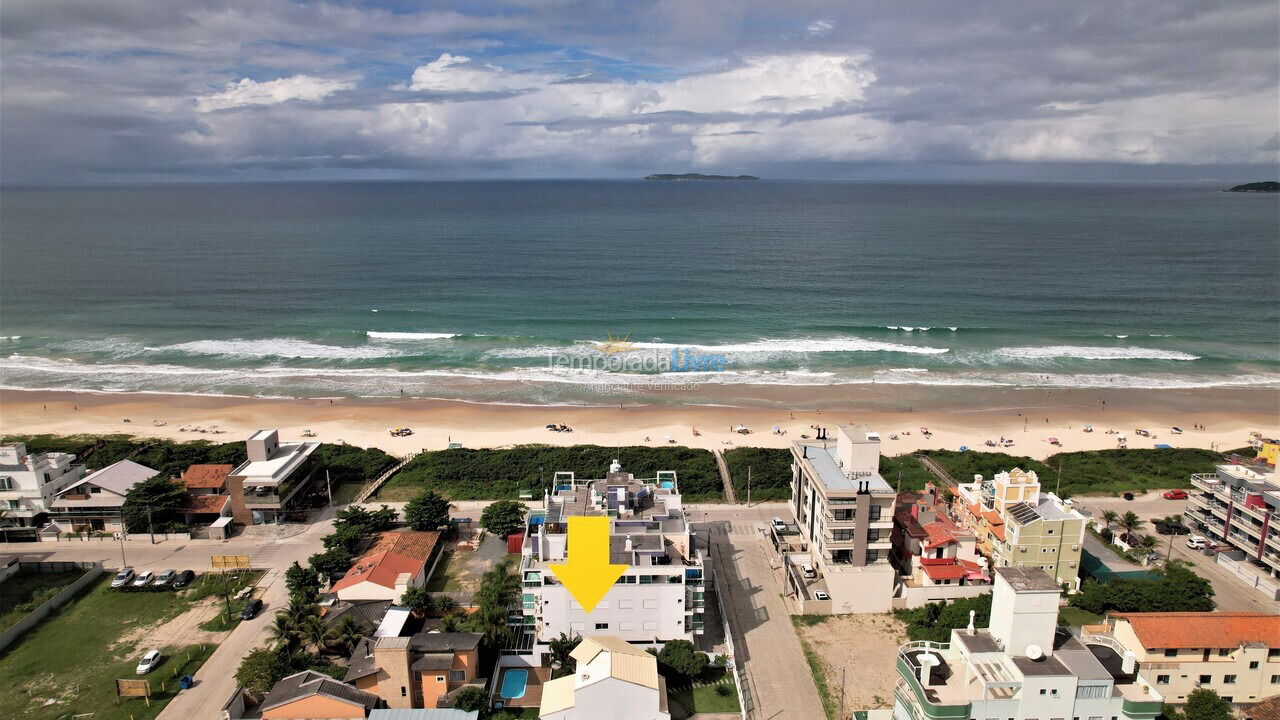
[
  {"x": 1175, "y": 588},
  {"x": 935, "y": 621},
  {"x": 1266, "y": 186},
  {"x": 770, "y": 472},
  {"x": 466, "y": 474}
]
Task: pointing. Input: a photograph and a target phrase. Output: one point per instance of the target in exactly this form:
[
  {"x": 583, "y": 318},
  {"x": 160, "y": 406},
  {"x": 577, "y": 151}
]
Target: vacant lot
[
  {"x": 70, "y": 662},
  {"x": 864, "y": 648},
  {"x": 26, "y": 591},
  {"x": 463, "y": 567}
]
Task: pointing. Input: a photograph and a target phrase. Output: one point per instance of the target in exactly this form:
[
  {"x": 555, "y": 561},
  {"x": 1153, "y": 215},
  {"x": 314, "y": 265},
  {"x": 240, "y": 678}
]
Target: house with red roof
[
  {"x": 207, "y": 497},
  {"x": 936, "y": 558},
  {"x": 396, "y": 561}
]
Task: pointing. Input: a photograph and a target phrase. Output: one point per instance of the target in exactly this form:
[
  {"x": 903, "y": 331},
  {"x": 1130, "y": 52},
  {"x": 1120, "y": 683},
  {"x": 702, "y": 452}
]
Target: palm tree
[
  {"x": 347, "y": 634},
  {"x": 1131, "y": 522},
  {"x": 1110, "y": 517},
  {"x": 453, "y": 622},
  {"x": 315, "y": 631},
  {"x": 300, "y": 608},
  {"x": 284, "y": 631},
  {"x": 444, "y": 603}
]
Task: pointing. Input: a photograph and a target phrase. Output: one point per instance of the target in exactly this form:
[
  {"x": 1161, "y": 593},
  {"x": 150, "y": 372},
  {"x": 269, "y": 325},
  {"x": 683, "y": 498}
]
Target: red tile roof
[
  {"x": 390, "y": 555},
  {"x": 206, "y": 503},
  {"x": 1268, "y": 709},
  {"x": 941, "y": 532},
  {"x": 206, "y": 476},
  {"x": 1182, "y": 630},
  {"x": 953, "y": 571}
]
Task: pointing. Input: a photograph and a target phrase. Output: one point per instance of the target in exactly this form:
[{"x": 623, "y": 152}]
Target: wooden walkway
[
  {"x": 725, "y": 477},
  {"x": 943, "y": 476},
  {"x": 376, "y": 484}
]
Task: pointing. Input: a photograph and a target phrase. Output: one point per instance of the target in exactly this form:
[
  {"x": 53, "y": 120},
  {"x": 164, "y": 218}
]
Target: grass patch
[
  {"x": 25, "y": 591},
  {"x": 809, "y": 620},
  {"x": 709, "y": 698},
  {"x": 1075, "y": 617},
  {"x": 467, "y": 474},
  {"x": 770, "y": 473},
  {"x": 75, "y": 656},
  {"x": 905, "y": 470},
  {"x": 222, "y": 622},
  {"x": 445, "y": 578},
  {"x": 345, "y": 493},
  {"x": 829, "y": 704}
]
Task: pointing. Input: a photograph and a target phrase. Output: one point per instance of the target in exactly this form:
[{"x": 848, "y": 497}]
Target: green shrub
[
  {"x": 935, "y": 621},
  {"x": 770, "y": 473}
]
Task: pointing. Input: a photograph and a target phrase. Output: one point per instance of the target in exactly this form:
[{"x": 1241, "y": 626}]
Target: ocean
[{"x": 499, "y": 291}]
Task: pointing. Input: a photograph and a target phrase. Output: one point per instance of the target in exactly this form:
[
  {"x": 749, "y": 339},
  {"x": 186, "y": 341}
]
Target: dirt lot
[
  {"x": 866, "y": 646},
  {"x": 464, "y": 566}
]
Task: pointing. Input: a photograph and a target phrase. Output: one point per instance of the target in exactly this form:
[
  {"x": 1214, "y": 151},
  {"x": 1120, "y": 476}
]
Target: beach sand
[{"x": 955, "y": 420}]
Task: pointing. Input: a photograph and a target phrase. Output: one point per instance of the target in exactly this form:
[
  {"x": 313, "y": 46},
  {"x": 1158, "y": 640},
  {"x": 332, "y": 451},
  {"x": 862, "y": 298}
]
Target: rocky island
[
  {"x": 698, "y": 176},
  {"x": 1268, "y": 186}
]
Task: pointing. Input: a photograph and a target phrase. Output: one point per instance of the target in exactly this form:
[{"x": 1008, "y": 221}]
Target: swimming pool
[{"x": 513, "y": 684}]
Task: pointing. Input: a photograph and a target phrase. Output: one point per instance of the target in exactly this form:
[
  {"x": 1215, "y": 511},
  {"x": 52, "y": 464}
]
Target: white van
[
  {"x": 779, "y": 525},
  {"x": 1196, "y": 542}
]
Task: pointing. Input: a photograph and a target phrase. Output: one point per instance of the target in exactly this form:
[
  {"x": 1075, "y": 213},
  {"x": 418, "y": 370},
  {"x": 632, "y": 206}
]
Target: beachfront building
[
  {"x": 660, "y": 595},
  {"x": 1235, "y": 654},
  {"x": 1018, "y": 525},
  {"x": 395, "y": 562},
  {"x": 421, "y": 671},
  {"x": 1235, "y": 506},
  {"x": 844, "y": 512},
  {"x": 208, "y": 501},
  {"x": 268, "y": 486},
  {"x": 613, "y": 679},
  {"x": 1022, "y": 667},
  {"x": 29, "y": 482},
  {"x": 96, "y": 503},
  {"x": 936, "y": 558}
]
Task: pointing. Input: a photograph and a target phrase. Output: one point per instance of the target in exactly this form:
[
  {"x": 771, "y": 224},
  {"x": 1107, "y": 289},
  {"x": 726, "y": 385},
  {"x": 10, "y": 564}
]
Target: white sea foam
[
  {"x": 276, "y": 348},
  {"x": 10, "y": 337},
  {"x": 1051, "y": 352},
  {"x": 376, "y": 335},
  {"x": 801, "y": 345}
]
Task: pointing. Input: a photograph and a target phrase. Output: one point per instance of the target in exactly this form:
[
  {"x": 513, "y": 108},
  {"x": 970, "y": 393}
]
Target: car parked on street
[
  {"x": 122, "y": 578},
  {"x": 185, "y": 578},
  {"x": 144, "y": 579},
  {"x": 165, "y": 578},
  {"x": 1196, "y": 542},
  {"x": 1175, "y": 495},
  {"x": 251, "y": 609},
  {"x": 149, "y": 662}
]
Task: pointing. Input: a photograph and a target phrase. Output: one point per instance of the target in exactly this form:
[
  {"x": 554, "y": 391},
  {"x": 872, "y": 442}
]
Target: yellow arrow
[{"x": 588, "y": 575}]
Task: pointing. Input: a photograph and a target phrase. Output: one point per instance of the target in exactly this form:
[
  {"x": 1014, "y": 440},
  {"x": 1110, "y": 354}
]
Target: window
[
  {"x": 1043, "y": 691},
  {"x": 1273, "y": 653},
  {"x": 14, "y": 505},
  {"x": 1228, "y": 679},
  {"x": 1275, "y": 679},
  {"x": 646, "y": 579},
  {"x": 650, "y": 604},
  {"x": 6, "y": 483},
  {"x": 602, "y": 626},
  {"x": 874, "y": 515},
  {"x": 1224, "y": 652},
  {"x": 873, "y": 534},
  {"x": 1162, "y": 679},
  {"x": 457, "y": 676},
  {"x": 403, "y": 691},
  {"x": 1253, "y": 665},
  {"x": 841, "y": 535},
  {"x": 439, "y": 678},
  {"x": 626, "y": 604},
  {"x": 1171, "y": 652},
  {"x": 94, "y": 489},
  {"x": 1206, "y": 679}
]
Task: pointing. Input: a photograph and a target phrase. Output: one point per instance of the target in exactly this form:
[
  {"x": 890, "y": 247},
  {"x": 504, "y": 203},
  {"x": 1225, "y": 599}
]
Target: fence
[
  {"x": 93, "y": 572},
  {"x": 1240, "y": 568}
]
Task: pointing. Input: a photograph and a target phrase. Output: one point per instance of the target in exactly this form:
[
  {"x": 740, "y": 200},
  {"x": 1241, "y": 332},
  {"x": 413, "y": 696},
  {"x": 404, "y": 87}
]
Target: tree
[
  {"x": 682, "y": 659},
  {"x": 315, "y": 631},
  {"x": 503, "y": 517},
  {"x": 261, "y": 669},
  {"x": 155, "y": 504},
  {"x": 1130, "y": 522},
  {"x": 494, "y": 598},
  {"x": 471, "y": 698},
  {"x": 347, "y": 634},
  {"x": 302, "y": 582},
  {"x": 418, "y": 600},
  {"x": 560, "y": 649},
  {"x": 1205, "y": 704},
  {"x": 444, "y": 603},
  {"x": 935, "y": 621},
  {"x": 331, "y": 563},
  {"x": 285, "y": 633},
  {"x": 1175, "y": 588},
  {"x": 427, "y": 511},
  {"x": 1110, "y": 517}
]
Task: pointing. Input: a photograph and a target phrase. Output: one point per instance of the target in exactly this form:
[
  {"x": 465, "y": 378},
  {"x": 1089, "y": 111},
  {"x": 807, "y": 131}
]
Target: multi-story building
[
  {"x": 1235, "y": 654},
  {"x": 1018, "y": 525},
  {"x": 29, "y": 482},
  {"x": 421, "y": 671},
  {"x": 1022, "y": 667},
  {"x": 936, "y": 558},
  {"x": 659, "y": 597},
  {"x": 1236, "y": 506},
  {"x": 96, "y": 503},
  {"x": 267, "y": 486},
  {"x": 844, "y": 511}
]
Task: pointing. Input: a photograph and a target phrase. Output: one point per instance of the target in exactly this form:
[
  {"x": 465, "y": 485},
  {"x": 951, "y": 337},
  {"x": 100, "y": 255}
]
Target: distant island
[
  {"x": 1268, "y": 186},
  {"x": 698, "y": 176}
]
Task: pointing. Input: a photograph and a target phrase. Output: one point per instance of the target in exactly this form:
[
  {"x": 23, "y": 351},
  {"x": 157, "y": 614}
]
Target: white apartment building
[
  {"x": 29, "y": 482},
  {"x": 1020, "y": 668},
  {"x": 844, "y": 511},
  {"x": 659, "y": 596}
]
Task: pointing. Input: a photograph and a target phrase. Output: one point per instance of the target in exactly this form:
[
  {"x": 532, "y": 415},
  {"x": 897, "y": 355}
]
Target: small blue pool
[{"x": 513, "y": 684}]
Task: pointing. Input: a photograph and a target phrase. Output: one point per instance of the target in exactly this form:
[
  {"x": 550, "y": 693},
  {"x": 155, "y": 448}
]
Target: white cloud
[
  {"x": 821, "y": 27},
  {"x": 272, "y": 92},
  {"x": 458, "y": 73}
]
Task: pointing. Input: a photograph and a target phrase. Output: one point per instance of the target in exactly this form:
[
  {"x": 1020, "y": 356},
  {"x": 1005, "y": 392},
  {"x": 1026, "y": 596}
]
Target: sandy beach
[{"x": 1028, "y": 418}]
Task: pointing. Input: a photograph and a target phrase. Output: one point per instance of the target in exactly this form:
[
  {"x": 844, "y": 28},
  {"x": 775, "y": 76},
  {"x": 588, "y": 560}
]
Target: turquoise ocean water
[{"x": 493, "y": 291}]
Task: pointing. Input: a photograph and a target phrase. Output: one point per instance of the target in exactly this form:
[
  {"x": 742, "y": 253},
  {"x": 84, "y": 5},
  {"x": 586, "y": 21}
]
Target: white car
[
  {"x": 1196, "y": 542},
  {"x": 819, "y": 595},
  {"x": 144, "y": 578},
  {"x": 149, "y": 662},
  {"x": 122, "y": 578}
]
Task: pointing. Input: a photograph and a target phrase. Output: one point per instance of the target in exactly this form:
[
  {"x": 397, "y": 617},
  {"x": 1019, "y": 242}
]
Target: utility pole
[
  {"x": 842, "y": 692},
  {"x": 1057, "y": 490},
  {"x": 151, "y": 528},
  {"x": 328, "y": 486},
  {"x": 748, "y": 486},
  {"x": 124, "y": 530}
]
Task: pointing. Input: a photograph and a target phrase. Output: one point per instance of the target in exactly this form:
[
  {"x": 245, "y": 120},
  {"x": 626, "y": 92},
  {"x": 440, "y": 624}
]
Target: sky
[{"x": 159, "y": 90}]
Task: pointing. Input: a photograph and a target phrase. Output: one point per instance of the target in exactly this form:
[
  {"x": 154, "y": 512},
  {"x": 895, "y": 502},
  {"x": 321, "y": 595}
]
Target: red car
[{"x": 1175, "y": 495}]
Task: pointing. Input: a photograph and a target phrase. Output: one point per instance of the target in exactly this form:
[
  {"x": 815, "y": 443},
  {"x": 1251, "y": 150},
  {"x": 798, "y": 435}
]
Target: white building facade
[{"x": 29, "y": 482}]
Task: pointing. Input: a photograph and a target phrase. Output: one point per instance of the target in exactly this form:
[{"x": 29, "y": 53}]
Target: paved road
[
  {"x": 764, "y": 638},
  {"x": 1147, "y": 506}
]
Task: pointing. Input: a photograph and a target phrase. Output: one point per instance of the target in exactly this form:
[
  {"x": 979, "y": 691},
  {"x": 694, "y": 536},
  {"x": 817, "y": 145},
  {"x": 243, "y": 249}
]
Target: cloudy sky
[{"x": 139, "y": 90}]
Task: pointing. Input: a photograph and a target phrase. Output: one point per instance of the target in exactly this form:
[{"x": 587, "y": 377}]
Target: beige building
[
  {"x": 844, "y": 511},
  {"x": 614, "y": 680},
  {"x": 271, "y": 483},
  {"x": 1020, "y": 526},
  {"x": 1235, "y": 654}
]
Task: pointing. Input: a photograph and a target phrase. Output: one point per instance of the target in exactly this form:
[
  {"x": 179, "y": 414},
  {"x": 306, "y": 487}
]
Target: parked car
[
  {"x": 779, "y": 525},
  {"x": 1196, "y": 542},
  {"x": 1128, "y": 496},
  {"x": 149, "y": 662},
  {"x": 122, "y": 578},
  {"x": 144, "y": 579},
  {"x": 251, "y": 609},
  {"x": 165, "y": 578},
  {"x": 1172, "y": 529},
  {"x": 185, "y": 578},
  {"x": 819, "y": 595},
  {"x": 1175, "y": 495}
]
